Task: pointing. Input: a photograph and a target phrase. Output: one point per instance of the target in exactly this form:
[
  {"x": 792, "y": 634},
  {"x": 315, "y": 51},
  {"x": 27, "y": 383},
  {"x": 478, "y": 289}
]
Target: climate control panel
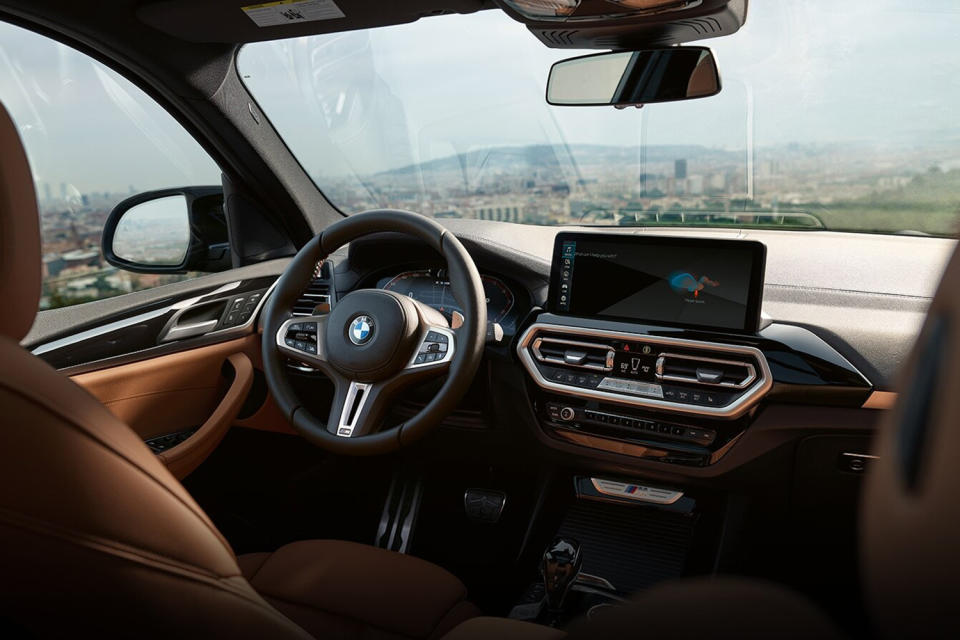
[{"x": 664, "y": 373}]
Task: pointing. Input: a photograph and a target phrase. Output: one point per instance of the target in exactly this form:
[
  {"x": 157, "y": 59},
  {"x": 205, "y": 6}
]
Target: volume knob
[{"x": 567, "y": 414}]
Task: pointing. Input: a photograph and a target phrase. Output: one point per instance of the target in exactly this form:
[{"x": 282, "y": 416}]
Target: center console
[{"x": 613, "y": 362}]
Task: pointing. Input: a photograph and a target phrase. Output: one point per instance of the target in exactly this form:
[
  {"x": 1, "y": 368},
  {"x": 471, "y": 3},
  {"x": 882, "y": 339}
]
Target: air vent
[
  {"x": 574, "y": 353},
  {"x": 702, "y": 370},
  {"x": 316, "y": 299}
]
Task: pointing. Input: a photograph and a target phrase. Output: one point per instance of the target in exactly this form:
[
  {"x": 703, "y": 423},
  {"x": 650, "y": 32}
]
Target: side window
[{"x": 93, "y": 139}]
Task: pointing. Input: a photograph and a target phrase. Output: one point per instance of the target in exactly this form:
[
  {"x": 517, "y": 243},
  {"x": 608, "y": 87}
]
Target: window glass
[
  {"x": 92, "y": 139},
  {"x": 835, "y": 115}
]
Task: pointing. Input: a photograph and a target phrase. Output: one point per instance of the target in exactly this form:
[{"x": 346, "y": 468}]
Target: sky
[{"x": 818, "y": 71}]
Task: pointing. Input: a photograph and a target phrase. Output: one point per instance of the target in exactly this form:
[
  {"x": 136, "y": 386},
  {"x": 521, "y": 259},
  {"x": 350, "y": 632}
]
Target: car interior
[{"x": 479, "y": 319}]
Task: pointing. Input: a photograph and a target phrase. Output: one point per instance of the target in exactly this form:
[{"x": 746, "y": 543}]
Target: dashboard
[{"x": 609, "y": 376}]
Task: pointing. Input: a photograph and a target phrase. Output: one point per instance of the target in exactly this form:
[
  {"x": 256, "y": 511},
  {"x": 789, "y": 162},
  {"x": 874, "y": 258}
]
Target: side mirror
[
  {"x": 634, "y": 78},
  {"x": 169, "y": 231}
]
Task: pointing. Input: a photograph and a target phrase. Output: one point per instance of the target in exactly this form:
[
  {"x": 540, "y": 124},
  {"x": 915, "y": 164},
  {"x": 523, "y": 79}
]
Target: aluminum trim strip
[{"x": 635, "y": 492}]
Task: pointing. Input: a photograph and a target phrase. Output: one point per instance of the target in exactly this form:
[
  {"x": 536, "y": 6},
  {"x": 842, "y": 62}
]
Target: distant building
[
  {"x": 695, "y": 185},
  {"x": 680, "y": 169},
  {"x": 509, "y": 213},
  {"x": 80, "y": 258}
]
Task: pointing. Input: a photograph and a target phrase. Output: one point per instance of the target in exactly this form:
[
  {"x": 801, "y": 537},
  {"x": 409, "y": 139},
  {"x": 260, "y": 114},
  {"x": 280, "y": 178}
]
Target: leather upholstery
[
  {"x": 19, "y": 235},
  {"x": 95, "y": 528},
  {"x": 911, "y": 521},
  {"x": 179, "y": 391},
  {"x": 347, "y": 590}
]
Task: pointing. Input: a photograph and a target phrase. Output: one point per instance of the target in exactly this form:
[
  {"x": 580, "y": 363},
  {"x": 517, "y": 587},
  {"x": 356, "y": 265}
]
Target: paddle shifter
[{"x": 560, "y": 568}]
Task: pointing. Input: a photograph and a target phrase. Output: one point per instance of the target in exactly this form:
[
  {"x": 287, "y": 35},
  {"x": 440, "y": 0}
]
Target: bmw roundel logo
[{"x": 361, "y": 330}]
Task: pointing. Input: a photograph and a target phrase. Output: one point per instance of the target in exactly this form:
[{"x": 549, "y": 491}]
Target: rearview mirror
[
  {"x": 169, "y": 231},
  {"x": 634, "y": 78}
]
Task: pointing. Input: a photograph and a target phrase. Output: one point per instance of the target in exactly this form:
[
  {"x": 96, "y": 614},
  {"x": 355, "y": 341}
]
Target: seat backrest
[
  {"x": 96, "y": 536},
  {"x": 910, "y": 520}
]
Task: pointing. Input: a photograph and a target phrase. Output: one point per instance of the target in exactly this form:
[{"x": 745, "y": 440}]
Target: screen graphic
[{"x": 673, "y": 281}]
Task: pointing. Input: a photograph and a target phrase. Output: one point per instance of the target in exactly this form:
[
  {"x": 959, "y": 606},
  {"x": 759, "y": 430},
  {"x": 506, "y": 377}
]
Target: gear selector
[{"x": 560, "y": 567}]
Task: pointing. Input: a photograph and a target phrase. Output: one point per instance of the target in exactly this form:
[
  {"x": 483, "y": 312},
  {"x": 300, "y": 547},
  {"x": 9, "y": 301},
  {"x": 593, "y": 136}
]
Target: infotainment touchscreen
[{"x": 684, "y": 282}]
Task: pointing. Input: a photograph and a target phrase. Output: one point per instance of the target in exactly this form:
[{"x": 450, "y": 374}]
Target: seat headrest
[
  {"x": 19, "y": 235},
  {"x": 910, "y": 518}
]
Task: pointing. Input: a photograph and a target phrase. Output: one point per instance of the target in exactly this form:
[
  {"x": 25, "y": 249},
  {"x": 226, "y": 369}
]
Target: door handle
[
  {"x": 181, "y": 331},
  {"x": 187, "y": 456}
]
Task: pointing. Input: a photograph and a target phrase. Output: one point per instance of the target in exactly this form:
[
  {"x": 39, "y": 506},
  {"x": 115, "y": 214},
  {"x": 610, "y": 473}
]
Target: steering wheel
[{"x": 374, "y": 343}]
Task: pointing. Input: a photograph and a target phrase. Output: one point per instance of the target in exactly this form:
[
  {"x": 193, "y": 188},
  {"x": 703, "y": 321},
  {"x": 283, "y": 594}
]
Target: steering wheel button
[
  {"x": 290, "y": 342},
  {"x": 443, "y": 347},
  {"x": 420, "y": 358},
  {"x": 311, "y": 348},
  {"x": 433, "y": 346}
]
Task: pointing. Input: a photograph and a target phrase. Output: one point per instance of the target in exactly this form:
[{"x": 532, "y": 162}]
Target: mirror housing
[
  {"x": 634, "y": 78},
  {"x": 145, "y": 233}
]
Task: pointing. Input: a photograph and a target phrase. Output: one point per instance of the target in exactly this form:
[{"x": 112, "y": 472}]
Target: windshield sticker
[{"x": 272, "y": 14}]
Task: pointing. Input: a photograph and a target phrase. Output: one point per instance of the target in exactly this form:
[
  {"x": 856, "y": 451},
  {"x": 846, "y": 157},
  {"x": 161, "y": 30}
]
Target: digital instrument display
[
  {"x": 431, "y": 287},
  {"x": 684, "y": 282}
]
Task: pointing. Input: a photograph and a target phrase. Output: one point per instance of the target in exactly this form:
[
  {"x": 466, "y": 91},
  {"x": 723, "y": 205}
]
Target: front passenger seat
[{"x": 97, "y": 538}]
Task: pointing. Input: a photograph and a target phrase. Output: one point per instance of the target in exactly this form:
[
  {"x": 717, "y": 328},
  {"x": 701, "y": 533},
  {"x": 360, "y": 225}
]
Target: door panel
[{"x": 200, "y": 389}]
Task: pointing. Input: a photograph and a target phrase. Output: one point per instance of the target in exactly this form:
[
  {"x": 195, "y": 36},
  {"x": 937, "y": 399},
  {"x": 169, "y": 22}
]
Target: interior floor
[{"x": 266, "y": 489}]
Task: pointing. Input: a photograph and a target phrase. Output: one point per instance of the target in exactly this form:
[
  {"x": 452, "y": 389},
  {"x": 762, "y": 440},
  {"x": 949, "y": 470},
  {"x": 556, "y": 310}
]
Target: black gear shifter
[{"x": 560, "y": 567}]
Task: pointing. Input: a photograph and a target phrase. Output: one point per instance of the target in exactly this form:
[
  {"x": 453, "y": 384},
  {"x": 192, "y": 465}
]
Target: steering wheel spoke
[
  {"x": 358, "y": 407},
  {"x": 301, "y": 338},
  {"x": 435, "y": 350},
  {"x": 351, "y": 414}
]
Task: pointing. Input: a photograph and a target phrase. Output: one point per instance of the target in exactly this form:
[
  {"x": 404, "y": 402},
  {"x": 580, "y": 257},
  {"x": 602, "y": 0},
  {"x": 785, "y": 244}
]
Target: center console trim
[{"x": 731, "y": 411}]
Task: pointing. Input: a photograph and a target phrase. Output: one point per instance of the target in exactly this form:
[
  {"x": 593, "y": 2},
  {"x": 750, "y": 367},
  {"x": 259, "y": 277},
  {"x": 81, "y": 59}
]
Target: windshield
[{"x": 833, "y": 115}]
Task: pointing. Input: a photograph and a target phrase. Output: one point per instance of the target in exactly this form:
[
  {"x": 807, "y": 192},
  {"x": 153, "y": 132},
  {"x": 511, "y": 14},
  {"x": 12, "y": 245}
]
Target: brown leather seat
[{"x": 97, "y": 538}]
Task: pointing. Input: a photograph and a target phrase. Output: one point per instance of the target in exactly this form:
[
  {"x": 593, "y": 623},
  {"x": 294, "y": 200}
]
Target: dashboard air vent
[
  {"x": 702, "y": 370},
  {"x": 574, "y": 353},
  {"x": 316, "y": 299}
]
